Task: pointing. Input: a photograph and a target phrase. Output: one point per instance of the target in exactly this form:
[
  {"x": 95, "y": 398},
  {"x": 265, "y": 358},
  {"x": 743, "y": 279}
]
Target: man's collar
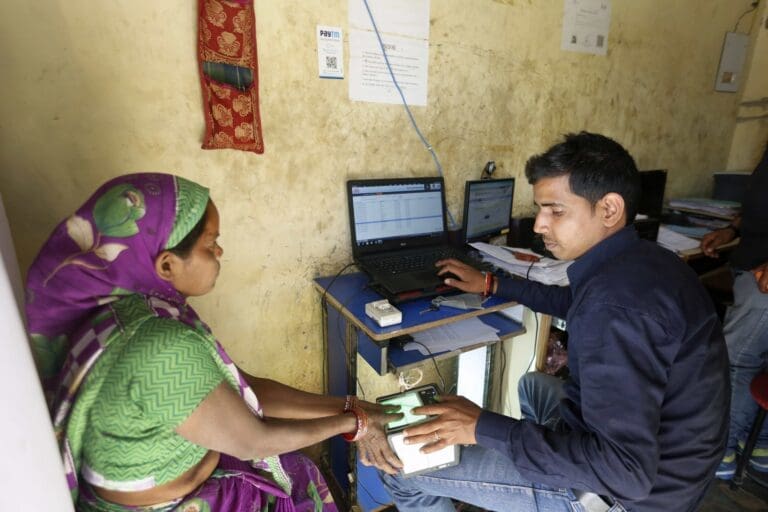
[{"x": 589, "y": 262}]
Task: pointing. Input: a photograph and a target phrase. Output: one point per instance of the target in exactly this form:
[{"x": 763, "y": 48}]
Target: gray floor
[{"x": 750, "y": 497}]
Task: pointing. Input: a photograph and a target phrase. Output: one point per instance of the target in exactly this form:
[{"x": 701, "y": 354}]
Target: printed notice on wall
[
  {"x": 330, "y": 52},
  {"x": 585, "y": 26},
  {"x": 404, "y": 29}
]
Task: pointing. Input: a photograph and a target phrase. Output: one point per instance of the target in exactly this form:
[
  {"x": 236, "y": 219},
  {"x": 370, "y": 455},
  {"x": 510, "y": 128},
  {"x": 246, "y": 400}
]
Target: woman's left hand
[{"x": 373, "y": 448}]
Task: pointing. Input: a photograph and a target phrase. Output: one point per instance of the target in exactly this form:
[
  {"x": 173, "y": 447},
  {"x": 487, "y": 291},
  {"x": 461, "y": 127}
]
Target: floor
[{"x": 750, "y": 497}]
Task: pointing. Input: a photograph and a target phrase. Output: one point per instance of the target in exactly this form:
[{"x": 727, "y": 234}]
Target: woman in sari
[{"x": 151, "y": 413}]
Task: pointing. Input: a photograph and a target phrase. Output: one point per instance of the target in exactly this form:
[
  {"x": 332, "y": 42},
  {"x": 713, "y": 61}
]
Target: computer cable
[
  {"x": 434, "y": 361},
  {"x": 405, "y": 104},
  {"x": 323, "y": 304},
  {"x": 535, "y": 317}
]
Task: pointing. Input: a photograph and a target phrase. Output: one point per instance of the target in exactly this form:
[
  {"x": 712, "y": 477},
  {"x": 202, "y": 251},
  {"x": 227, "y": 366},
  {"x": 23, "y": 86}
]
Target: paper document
[
  {"x": 453, "y": 336},
  {"x": 675, "y": 241},
  {"x": 546, "y": 270}
]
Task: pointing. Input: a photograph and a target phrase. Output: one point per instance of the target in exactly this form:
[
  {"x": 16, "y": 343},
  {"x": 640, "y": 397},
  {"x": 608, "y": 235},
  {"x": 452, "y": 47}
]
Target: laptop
[
  {"x": 399, "y": 231},
  {"x": 487, "y": 209}
]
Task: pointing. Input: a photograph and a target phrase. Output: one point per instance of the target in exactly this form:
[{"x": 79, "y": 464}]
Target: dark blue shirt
[
  {"x": 648, "y": 394},
  {"x": 753, "y": 246}
]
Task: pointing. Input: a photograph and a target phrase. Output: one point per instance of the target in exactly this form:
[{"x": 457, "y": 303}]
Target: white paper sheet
[
  {"x": 585, "y": 26},
  {"x": 675, "y": 241},
  {"x": 453, "y": 336},
  {"x": 546, "y": 270},
  {"x": 404, "y": 29}
]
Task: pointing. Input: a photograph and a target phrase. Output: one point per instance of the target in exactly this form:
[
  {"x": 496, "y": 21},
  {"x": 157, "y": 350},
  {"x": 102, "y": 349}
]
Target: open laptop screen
[
  {"x": 487, "y": 208},
  {"x": 390, "y": 214}
]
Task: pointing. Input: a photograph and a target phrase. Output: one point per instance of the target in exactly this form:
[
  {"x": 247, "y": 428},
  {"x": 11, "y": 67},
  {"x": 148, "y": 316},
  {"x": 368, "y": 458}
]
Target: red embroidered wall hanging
[{"x": 229, "y": 75}]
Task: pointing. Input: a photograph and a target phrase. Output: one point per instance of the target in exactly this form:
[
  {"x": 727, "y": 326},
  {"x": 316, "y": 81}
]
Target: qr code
[{"x": 331, "y": 62}]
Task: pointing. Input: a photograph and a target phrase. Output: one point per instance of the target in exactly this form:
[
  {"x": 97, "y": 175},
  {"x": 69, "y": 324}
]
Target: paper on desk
[
  {"x": 463, "y": 333},
  {"x": 675, "y": 241},
  {"x": 546, "y": 270}
]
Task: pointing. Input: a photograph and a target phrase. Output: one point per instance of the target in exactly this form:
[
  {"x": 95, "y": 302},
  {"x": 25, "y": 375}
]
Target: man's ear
[
  {"x": 612, "y": 210},
  {"x": 165, "y": 265}
]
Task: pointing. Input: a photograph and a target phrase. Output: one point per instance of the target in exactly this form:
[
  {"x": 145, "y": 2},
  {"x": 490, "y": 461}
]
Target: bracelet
[
  {"x": 489, "y": 280},
  {"x": 361, "y": 425},
  {"x": 350, "y": 403}
]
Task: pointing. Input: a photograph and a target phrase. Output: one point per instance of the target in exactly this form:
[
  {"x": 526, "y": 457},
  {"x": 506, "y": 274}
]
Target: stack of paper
[
  {"x": 453, "y": 336},
  {"x": 546, "y": 270},
  {"x": 675, "y": 241},
  {"x": 707, "y": 206}
]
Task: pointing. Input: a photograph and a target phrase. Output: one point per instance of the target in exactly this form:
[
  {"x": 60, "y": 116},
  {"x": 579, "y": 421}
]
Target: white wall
[{"x": 31, "y": 473}]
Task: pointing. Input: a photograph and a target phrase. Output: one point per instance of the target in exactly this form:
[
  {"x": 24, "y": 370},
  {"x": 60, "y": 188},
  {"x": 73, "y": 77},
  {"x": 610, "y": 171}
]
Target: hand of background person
[
  {"x": 466, "y": 278},
  {"x": 455, "y": 424},
  {"x": 715, "y": 239},
  {"x": 373, "y": 448},
  {"x": 762, "y": 277}
]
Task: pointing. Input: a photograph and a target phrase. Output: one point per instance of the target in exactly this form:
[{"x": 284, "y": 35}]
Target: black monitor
[
  {"x": 487, "y": 208},
  {"x": 652, "y": 186}
]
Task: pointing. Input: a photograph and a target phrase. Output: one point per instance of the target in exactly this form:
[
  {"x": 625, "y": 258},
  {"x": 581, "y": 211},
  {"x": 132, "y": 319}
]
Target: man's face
[{"x": 568, "y": 223}]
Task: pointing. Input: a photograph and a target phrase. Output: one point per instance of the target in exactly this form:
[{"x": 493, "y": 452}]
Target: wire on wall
[
  {"x": 752, "y": 8},
  {"x": 405, "y": 103}
]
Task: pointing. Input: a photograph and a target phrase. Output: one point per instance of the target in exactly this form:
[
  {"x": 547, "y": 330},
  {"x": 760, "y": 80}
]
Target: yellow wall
[
  {"x": 751, "y": 133},
  {"x": 95, "y": 89}
]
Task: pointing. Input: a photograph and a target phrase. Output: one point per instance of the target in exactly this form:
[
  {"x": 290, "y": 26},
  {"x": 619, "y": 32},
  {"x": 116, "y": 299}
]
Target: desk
[{"x": 350, "y": 332}]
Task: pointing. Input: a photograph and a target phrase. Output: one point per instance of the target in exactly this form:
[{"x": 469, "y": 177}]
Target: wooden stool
[{"x": 759, "y": 390}]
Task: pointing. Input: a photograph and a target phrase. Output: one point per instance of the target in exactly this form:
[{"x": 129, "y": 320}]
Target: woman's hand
[
  {"x": 374, "y": 450},
  {"x": 715, "y": 239},
  {"x": 455, "y": 424},
  {"x": 465, "y": 278}
]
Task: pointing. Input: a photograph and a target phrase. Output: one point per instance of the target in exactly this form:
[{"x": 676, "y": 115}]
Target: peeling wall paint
[{"x": 97, "y": 89}]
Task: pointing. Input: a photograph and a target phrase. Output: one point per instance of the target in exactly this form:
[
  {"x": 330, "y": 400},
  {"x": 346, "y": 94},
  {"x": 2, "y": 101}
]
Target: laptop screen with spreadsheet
[{"x": 392, "y": 214}]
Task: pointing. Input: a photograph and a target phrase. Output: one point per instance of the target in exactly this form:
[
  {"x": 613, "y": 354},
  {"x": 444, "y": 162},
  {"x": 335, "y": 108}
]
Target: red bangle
[
  {"x": 361, "y": 425},
  {"x": 488, "y": 289}
]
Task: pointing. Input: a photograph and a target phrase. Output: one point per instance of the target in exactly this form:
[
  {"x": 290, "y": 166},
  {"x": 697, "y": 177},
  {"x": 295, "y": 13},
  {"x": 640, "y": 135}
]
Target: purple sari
[{"x": 104, "y": 251}]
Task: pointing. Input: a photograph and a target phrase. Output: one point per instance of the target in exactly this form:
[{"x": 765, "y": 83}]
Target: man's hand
[
  {"x": 715, "y": 239},
  {"x": 469, "y": 279},
  {"x": 455, "y": 424},
  {"x": 762, "y": 277},
  {"x": 373, "y": 449}
]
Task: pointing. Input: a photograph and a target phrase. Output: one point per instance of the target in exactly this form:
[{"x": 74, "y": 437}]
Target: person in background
[
  {"x": 746, "y": 321},
  {"x": 640, "y": 424},
  {"x": 150, "y": 411}
]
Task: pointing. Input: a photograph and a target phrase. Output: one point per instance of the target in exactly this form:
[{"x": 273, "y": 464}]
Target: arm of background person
[{"x": 714, "y": 239}]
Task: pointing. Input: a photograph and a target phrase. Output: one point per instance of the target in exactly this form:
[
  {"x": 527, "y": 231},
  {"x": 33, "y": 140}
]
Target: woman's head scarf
[{"x": 105, "y": 250}]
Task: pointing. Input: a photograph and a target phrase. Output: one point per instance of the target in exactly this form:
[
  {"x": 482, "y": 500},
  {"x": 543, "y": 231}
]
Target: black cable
[
  {"x": 323, "y": 304},
  {"x": 536, "y": 317},
  {"x": 431, "y": 355},
  {"x": 754, "y": 6}
]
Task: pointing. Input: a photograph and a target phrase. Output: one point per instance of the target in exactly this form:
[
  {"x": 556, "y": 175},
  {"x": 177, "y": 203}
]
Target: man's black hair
[
  {"x": 595, "y": 165},
  {"x": 183, "y": 248}
]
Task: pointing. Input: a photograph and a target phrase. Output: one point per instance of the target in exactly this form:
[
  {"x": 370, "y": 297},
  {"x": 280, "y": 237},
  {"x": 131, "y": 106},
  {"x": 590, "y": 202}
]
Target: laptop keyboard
[{"x": 405, "y": 263}]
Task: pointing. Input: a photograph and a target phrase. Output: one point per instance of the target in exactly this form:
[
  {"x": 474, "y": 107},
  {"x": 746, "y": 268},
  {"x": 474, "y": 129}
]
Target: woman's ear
[
  {"x": 613, "y": 210},
  {"x": 165, "y": 265}
]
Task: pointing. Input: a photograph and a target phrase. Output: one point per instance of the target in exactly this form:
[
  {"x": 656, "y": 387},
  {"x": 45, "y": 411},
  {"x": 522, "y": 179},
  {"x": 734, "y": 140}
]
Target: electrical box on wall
[{"x": 730, "y": 72}]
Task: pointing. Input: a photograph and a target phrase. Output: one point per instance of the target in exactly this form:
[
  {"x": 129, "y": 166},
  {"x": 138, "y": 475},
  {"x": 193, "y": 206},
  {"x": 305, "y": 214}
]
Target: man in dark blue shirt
[{"x": 641, "y": 423}]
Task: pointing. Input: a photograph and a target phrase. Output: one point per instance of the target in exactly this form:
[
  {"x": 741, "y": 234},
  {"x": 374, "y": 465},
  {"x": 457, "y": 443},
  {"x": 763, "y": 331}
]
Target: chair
[{"x": 759, "y": 390}]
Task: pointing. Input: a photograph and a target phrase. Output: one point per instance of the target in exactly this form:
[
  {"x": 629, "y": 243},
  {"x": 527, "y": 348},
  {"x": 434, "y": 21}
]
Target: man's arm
[{"x": 719, "y": 237}]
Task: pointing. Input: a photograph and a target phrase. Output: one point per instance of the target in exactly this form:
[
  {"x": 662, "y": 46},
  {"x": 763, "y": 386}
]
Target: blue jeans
[
  {"x": 488, "y": 478},
  {"x": 746, "y": 334}
]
